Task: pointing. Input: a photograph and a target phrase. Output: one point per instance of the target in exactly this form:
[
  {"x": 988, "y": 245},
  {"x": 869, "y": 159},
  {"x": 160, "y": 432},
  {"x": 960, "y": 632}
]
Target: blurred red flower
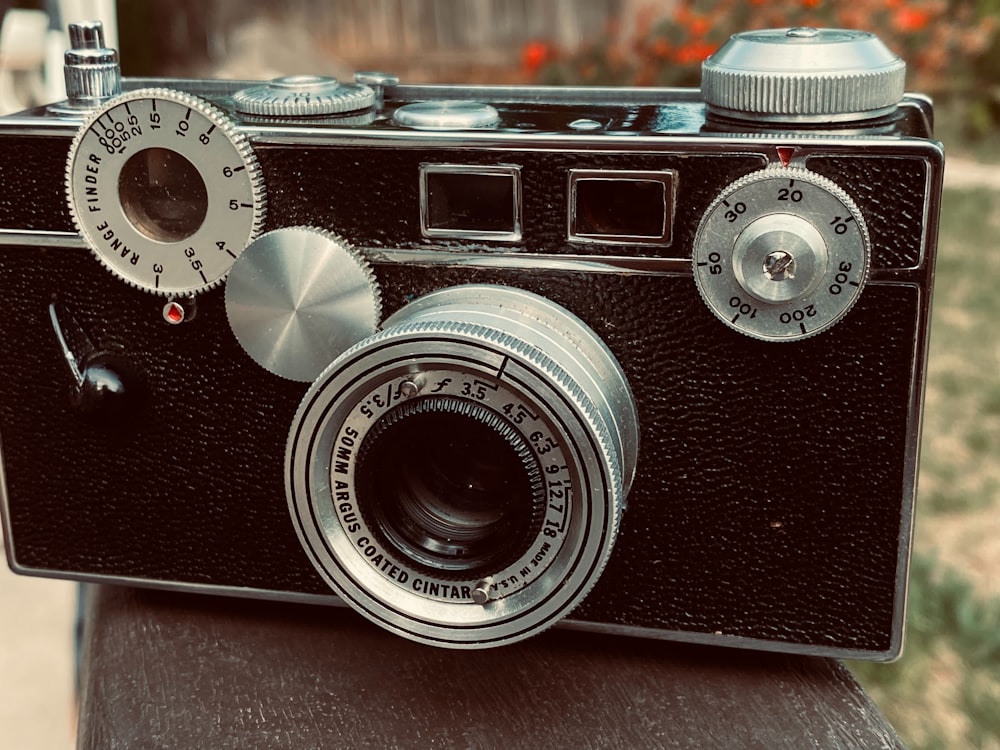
[{"x": 535, "y": 55}]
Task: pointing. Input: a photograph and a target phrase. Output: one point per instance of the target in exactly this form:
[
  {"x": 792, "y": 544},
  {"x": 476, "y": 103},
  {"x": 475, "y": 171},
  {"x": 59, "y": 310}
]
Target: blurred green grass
[
  {"x": 962, "y": 415},
  {"x": 945, "y": 690}
]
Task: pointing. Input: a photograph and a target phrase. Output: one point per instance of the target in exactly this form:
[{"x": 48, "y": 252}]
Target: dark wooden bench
[{"x": 168, "y": 670}]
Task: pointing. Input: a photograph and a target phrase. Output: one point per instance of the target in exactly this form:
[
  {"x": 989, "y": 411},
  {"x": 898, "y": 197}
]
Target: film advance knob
[
  {"x": 803, "y": 75},
  {"x": 299, "y": 297},
  {"x": 782, "y": 254}
]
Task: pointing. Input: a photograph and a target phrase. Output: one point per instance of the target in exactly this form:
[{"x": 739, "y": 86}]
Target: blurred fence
[
  {"x": 432, "y": 35},
  {"x": 433, "y": 28}
]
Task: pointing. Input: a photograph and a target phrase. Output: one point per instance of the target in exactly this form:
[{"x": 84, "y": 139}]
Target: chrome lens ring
[{"x": 492, "y": 348}]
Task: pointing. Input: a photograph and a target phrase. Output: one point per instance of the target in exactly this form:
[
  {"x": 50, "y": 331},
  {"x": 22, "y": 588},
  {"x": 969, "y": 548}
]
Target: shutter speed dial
[{"x": 782, "y": 254}]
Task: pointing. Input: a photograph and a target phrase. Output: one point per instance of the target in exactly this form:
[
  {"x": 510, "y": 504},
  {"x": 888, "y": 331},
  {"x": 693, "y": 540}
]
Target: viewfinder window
[
  {"x": 621, "y": 207},
  {"x": 471, "y": 202}
]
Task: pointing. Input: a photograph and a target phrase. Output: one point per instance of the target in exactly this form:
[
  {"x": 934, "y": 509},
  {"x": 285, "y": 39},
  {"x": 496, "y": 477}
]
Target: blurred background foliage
[{"x": 951, "y": 47}]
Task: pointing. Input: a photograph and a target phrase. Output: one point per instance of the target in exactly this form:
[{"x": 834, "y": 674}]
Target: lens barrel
[{"x": 459, "y": 477}]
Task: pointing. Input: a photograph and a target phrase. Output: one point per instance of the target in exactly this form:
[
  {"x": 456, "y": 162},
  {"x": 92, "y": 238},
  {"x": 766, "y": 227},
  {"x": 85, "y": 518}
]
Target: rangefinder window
[
  {"x": 621, "y": 207},
  {"x": 470, "y": 201}
]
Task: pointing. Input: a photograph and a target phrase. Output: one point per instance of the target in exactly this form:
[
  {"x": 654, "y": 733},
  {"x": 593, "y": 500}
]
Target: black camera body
[{"x": 631, "y": 360}]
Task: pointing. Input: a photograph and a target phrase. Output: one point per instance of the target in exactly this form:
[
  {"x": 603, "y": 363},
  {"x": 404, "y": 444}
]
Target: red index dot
[
  {"x": 785, "y": 153},
  {"x": 173, "y": 313}
]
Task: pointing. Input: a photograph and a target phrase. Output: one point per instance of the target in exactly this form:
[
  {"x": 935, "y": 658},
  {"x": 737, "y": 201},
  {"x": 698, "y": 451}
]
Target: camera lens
[
  {"x": 451, "y": 486},
  {"x": 459, "y": 477},
  {"x": 162, "y": 194}
]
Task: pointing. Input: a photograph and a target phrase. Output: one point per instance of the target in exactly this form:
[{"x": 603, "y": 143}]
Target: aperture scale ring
[{"x": 453, "y": 381}]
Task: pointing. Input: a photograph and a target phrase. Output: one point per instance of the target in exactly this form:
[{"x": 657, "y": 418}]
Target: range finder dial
[
  {"x": 781, "y": 254},
  {"x": 164, "y": 190}
]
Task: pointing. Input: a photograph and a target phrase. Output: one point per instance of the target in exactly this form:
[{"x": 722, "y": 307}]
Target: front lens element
[{"x": 451, "y": 486}]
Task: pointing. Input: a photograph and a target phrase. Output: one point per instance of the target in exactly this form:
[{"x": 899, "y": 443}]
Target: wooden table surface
[{"x": 169, "y": 670}]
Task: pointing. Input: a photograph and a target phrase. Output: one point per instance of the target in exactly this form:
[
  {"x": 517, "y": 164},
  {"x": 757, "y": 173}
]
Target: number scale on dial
[
  {"x": 782, "y": 254},
  {"x": 164, "y": 190}
]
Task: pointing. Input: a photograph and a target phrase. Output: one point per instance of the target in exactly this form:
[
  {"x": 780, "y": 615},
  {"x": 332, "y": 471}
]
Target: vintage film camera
[{"x": 477, "y": 360}]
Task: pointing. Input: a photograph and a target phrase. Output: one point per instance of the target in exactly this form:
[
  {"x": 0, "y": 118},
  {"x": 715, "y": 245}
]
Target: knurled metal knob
[
  {"x": 92, "y": 71},
  {"x": 782, "y": 254},
  {"x": 298, "y": 297},
  {"x": 303, "y": 96},
  {"x": 803, "y": 75}
]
